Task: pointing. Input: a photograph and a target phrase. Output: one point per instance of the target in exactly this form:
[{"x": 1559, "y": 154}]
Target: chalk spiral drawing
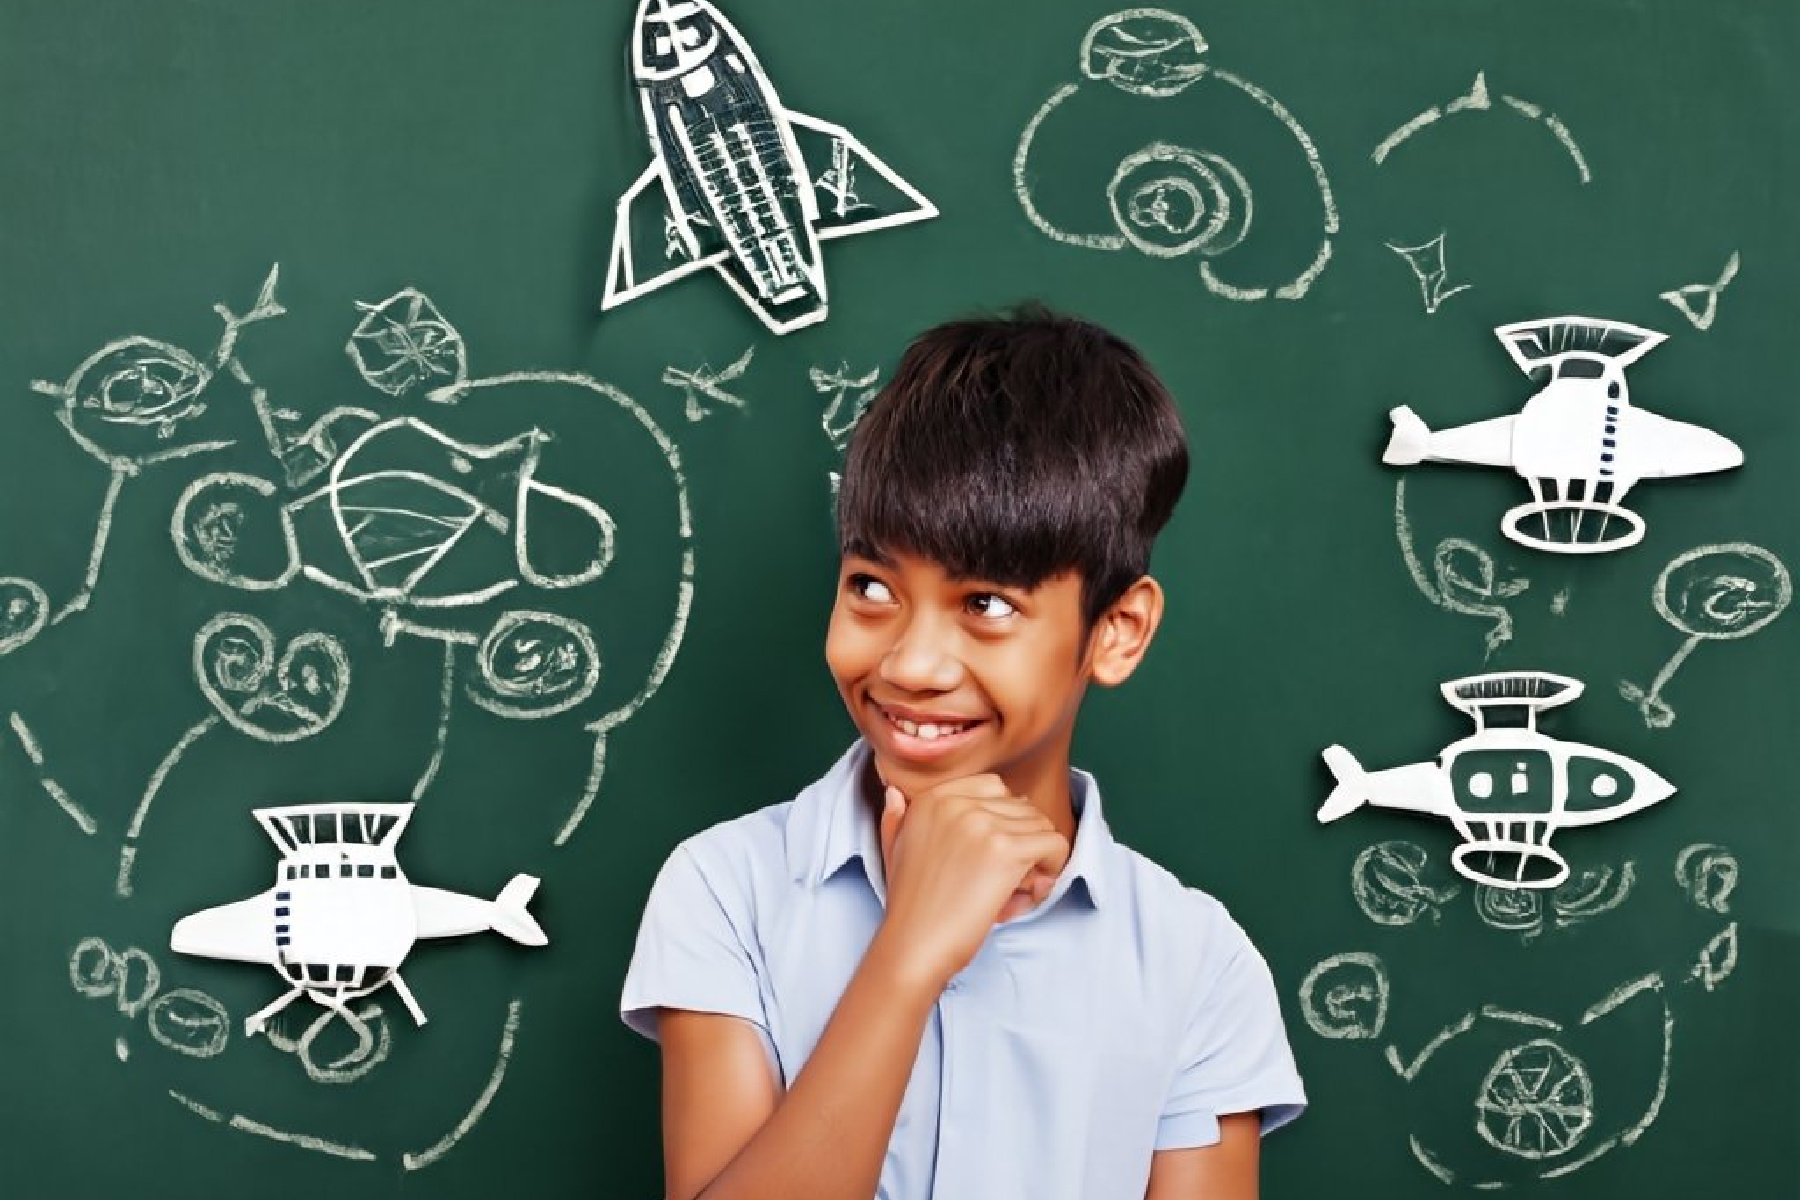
[
  {"x": 1586, "y": 894},
  {"x": 1683, "y": 298},
  {"x": 1463, "y": 578},
  {"x": 131, "y": 404},
  {"x": 1536, "y": 1107},
  {"x": 403, "y": 521},
  {"x": 1710, "y": 593},
  {"x": 1426, "y": 261},
  {"x": 703, "y": 384},
  {"x": 1168, "y": 200},
  {"x": 1478, "y": 99}
]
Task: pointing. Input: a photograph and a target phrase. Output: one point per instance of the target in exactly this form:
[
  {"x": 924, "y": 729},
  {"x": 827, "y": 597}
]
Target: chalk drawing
[
  {"x": 1346, "y": 997},
  {"x": 850, "y": 395},
  {"x": 131, "y": 404},
  {"x": 1168, "y": 200},
  {"x": 1684, "y": 298},
  {"x": 1710, "y": 593},
  {"x": 29, "y": 743},
  {"x": 190, "y": 1022},
  {"x": 1463, "y": 578},
  {"x": 301, "y": 1140},
  {"x": 1478, "y": 99},
  {"x": 1586, "y": 894},
  {"x": 1426, "y": 261},
  {"x": 1537, "y": 1101},
  {"x": 1559, "y": 603},
  {"x": 1708, "y": 874},
  {"x": 367, "y": 1025},
  {"x": 184, "y": 1020},
  {"x": 735, "y": 175},
  {"x": 404, "y": 343},
  {"x": 704, "y": 384},
  {"x": 1388, "y": 882},
  {"x": 502, "y": 1057}
]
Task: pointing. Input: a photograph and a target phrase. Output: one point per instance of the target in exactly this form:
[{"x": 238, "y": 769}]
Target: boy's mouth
[{"x": 924, "y": 735}]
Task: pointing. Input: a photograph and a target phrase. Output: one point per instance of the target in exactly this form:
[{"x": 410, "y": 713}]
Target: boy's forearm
[{"x": 827, "y": 1138}]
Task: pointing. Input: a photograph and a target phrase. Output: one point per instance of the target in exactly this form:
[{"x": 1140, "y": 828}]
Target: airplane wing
[
  {"x": 452, "y": 914},
  {"x": 855, "y": 191},
  {"x": 1485, "y": 443},
  {"x": 643, "y": 222},
  {"x": 1653, "y": 447},
  {"x": 241, "y": 932}
]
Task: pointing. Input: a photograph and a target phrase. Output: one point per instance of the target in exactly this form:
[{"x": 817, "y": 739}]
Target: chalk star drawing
[
  {"x": 1710, "y": 593},
  {"x": 1683, "y": 298},
  {"x": 131, "y": 404},
  {"x": 1168, "y": 200},
  {"x": 703, "y": 384},
  {"x": 1426, "y": 261},
  {"x": 1478, "y": 99}
]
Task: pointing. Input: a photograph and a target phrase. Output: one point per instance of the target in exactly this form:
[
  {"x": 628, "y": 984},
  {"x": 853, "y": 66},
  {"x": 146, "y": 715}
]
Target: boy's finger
[{"x": 893, "y": 812}]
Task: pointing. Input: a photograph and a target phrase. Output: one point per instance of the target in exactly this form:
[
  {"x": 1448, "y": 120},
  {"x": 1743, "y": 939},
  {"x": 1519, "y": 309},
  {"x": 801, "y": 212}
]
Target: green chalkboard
[{"x": 265, "y": 265}]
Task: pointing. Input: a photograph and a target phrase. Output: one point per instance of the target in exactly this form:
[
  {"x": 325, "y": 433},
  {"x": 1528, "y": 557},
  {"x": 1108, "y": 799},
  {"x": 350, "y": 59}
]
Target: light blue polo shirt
[{"x": 1122, "y": 1016}]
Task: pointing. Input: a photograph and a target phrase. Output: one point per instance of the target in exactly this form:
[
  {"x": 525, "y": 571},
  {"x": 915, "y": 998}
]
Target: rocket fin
[
  {"x": 644, "y": 220},
  {"x": 854, "y": 190}
]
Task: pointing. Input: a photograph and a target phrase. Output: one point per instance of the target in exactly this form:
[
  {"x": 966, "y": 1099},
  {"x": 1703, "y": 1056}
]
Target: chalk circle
[
  {"x": 1345, "y": 997},
  {"x": 190, "y": 1022},
  {"x": 1537, "y": 1101},
  {"x": 1510, "y": 864},
  {"x": 1723, "y": 592},
  {"x": 535, "y": 664},
  {"x": 24, "y": 610},
  {"x": 1513, "y": 909},
  {"x": 369, "y": 1050},
  {"x": 232, "y": 528},
  {"x": 1144, "y": 51},
  {"x": 1169, "y": 201},
  {"x": 97, "y": 971},
  {"x": 271, "y": 698},
  {"x": 1388, "y": 883}
]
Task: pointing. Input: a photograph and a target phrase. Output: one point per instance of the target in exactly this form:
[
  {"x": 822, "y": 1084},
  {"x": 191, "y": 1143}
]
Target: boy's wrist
[{"x": 901, "y": 970}]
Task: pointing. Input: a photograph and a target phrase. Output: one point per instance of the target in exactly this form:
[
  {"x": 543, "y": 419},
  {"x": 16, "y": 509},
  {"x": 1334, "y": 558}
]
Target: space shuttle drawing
[
  {"x": 735, "y": 179},
  {"x": 342, "y": 916}
]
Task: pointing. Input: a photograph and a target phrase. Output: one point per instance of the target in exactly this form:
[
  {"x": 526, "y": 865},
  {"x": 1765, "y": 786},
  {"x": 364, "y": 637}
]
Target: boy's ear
[{"x": 1123, "y": 632}]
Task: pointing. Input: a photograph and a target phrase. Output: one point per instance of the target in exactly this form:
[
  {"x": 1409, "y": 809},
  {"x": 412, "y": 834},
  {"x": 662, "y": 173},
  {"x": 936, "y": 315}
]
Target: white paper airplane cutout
[
  {"x": 342, "y": 916},
  {"x": 1579, "y": 442},
  {"x": 1507, "y": 788},
  {"x": 731, "y": 185}
]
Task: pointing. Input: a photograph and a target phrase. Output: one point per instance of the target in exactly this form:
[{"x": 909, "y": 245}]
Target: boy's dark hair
[{"x": 1014, "y": 448}]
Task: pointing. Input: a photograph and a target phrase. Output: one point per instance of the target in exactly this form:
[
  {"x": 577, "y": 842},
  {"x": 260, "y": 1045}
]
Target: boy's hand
[{"x": 972, "y": 854}]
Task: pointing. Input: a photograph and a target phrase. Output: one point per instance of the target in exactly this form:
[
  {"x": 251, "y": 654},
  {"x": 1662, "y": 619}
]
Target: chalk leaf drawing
[
  {"x": 1170, "y": 200},
  {"x": 1479, "y": 100},
  {"x": 1712, "y": 594},
  {"x": 1579, "y": 442},
  {"x": 131, "y": 404},
  {"x": 735, "y": 176},
  {"x": 1705, "y": 294},
  {"x": 1463, "y": 578},
  {"x": 703, "y": 385},
  {"x": 1506, "y": 788},
  {"x": 1426, "y": 261}
]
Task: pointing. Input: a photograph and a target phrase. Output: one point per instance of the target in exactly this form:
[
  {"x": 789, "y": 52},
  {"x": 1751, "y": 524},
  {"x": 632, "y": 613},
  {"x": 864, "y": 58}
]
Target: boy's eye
[
  {"x": 991, "y": 606},
  {"x": 870, "y": 588}
]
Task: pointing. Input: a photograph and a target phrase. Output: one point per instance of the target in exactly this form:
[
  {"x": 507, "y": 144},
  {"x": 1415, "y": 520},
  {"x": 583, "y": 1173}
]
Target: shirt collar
[{"x": 829, "y": 826}]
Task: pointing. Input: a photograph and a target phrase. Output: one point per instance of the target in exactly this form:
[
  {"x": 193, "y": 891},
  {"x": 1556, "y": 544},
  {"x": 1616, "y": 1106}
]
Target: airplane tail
[
  {"x": 1350, "y": 793},
  {"x": 1410, "y": 441},
  {"x": 510, "y": 917}
]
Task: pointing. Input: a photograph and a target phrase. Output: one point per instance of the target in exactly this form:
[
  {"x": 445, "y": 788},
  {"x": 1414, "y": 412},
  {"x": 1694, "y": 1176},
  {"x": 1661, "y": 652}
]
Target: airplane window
[
  {"x": 690, "y": 37},
  {"x": 1581, "y": 368},
  {"x": 290, "y": 872},
  {"x": 318, "y": 973},
  {"x": 1521, "y": 782},
  {"x": 662, "y": 44},
  {"x": 1605, "y": 786},
  {"x": 345, "y": 974},
  {"x": 1481, "y": 785},
  {"x": 365, "y": 871},
  {"x": 343, "y": 870},
  {"x": 1612, "y": 391},
  {"x": 388, "y": 872}
]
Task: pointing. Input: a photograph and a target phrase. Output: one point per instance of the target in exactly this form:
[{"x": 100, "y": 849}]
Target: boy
[{"x": 934, "y": 973}]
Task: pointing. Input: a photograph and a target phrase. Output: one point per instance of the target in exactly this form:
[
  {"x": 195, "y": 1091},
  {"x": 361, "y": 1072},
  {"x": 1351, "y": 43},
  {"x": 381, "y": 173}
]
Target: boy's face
[{"x": 948, "y": 677}]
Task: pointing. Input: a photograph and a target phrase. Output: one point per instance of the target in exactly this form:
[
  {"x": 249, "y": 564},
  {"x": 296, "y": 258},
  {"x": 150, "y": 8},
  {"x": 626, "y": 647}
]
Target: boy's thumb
[{"x": 893, "y": 808}]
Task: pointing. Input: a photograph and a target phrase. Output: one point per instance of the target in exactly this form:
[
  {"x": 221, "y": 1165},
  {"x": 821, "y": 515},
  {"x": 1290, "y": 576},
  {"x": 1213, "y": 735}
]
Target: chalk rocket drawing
[
  {"x": 342, "y": 916},
  {"x": 1579, "y": 443},
  {"x": 732, "y": 177},
  {"x": 1507, "y": 788},
  {"x": 1168, "y": 200}
]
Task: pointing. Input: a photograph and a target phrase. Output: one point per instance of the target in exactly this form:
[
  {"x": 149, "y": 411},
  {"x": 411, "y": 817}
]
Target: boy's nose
[{"x": 921, "y": 660}]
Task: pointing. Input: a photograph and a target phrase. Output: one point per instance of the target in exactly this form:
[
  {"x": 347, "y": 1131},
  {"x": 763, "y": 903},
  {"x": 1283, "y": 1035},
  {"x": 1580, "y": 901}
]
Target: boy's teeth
[{"x": 927, "y": 731}]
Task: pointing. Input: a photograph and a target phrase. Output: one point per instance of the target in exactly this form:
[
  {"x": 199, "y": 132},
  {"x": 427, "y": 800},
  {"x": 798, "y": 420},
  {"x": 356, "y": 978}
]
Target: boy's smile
[{"x": 950, "y": 677}]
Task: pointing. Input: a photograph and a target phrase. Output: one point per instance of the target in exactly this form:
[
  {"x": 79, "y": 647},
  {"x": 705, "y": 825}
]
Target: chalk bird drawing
[{"x": 732, "y": 183}]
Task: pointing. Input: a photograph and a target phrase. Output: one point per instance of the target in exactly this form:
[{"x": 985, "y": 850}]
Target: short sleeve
[
  {"x": 1234, "y": 1053},
  {"x": 690, "y": 952}
]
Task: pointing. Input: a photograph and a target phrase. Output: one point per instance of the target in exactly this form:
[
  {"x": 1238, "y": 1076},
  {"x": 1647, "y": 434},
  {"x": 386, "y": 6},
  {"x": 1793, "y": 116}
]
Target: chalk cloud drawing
[
  {"x": 432, "y": 531},
  {"x": 1506, "y": 788},
  {"x": 1479, "y": 100},
  {"x": 1170, "y": 200},
  {"x": 341, "y": 916},
  {"x": 1536, "y": 1106},
  {"x": 1712, "y": 594},
  {"x": 703, "y": 385},
  {"x": 1389, "y": 883},
  {"x": 185, "y": 1020},
  {"x": 1426, "y": 261},
  {"x": 131, "y": 404},
  {"x": 1684, "y": 298},
  {"x": 1579, "y": 443},
  {"x": 1463, "y": 578},
  {"x": 735, "y": 176}
]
